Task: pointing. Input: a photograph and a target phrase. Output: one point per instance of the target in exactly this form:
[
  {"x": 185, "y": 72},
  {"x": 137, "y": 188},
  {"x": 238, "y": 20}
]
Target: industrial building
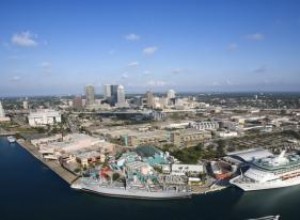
[
  {"x": 205, "y": 125},
  {"x": 189, "y": 136}
]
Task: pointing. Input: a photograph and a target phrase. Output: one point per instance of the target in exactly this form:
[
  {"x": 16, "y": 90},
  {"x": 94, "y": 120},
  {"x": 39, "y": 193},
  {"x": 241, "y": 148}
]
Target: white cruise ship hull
[
  {"x": 133, "y": 194},
  {"x": 267, "y": 185}
]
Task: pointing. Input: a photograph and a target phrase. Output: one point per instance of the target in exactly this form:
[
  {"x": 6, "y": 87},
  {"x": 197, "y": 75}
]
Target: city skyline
[{"x": 59, "y": 47}]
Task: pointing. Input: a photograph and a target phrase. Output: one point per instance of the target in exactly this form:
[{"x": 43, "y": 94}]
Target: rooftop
[
  {"x": 251, "y": 154},
  {"x": 278, "y": 163},
  {"x": 147, "y": 151}
]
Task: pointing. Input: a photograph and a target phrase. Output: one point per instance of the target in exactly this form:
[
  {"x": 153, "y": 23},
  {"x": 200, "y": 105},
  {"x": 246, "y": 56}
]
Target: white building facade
[
  {"x": 44, "y": 117},
  {"x": 107, "y": 91},
  {"x": 121, "y": 96},
  {"x": 171, "y": 94},
  {"x": 2, "y": 114}
]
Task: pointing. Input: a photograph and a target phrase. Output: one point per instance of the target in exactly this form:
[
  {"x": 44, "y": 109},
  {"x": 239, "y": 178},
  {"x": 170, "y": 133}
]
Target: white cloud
[
  {"x": 232, "y": 47},
  {"x": 261, "y": 69},
  {"x": 133, "y": 64},
  {"x": 256, "y": 37},
  {"x": 147, "y": 72},
  {"x": 15, "y": 78},
  {"x": 229, "y": 82},
  {"x": 177, "y": 71},
  {"x": 125, "y": 75},
  {"x": 215, "y": 83},
  {"x": 156, "y": 83},
  {"x": 132, "y": 37},
  {"x": 46, "y": 65},
  {"x": 24, "y": 39},
  {"x": 150, "y": 50}
]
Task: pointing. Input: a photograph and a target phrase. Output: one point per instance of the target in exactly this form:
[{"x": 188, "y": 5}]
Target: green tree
[{"x": 115, "y": 176}]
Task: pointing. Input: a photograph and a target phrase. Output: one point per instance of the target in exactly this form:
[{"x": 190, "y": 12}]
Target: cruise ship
[
  {"x": 270, "y": 172},
  {"x": 131, "y": 192}
]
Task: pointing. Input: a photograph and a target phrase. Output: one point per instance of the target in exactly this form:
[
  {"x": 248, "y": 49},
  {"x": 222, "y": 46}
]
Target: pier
[{"x": 55, "y": 166}]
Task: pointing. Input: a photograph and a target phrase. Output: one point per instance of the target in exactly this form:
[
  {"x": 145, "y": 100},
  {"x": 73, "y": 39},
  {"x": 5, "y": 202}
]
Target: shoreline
[
  {"x": 53, "y": 165},
  {"x": 71, "y": 178}
]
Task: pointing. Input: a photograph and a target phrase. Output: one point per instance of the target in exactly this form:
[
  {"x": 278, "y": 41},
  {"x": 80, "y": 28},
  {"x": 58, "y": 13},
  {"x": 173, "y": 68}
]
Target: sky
[{"x": 60, "y": 46}]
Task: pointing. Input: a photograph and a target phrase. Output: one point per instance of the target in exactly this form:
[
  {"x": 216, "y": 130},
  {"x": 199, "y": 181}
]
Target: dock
[
  {"x": 54, "y": 165},
  {"x": 203, "y": 190}
]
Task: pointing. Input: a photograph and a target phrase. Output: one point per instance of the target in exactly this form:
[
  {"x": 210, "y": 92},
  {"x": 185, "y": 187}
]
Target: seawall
[{"x": 54, "y": 165}]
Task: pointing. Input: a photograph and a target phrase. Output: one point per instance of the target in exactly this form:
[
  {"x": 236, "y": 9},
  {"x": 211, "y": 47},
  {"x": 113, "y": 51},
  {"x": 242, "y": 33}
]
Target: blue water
[{"x": 29, "y": 190}]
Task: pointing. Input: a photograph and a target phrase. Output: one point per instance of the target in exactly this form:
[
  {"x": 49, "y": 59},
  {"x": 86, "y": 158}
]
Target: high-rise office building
[
  {"x": 114, "y": 90},
  {"x": 114, "y": 94},
  {"x": 107, "y": 91},
  {"x": 77, "y": 102},
  {"x": 149, "y": 99},
  {"x": 121, "y": 96},
  {"x": 2, "y": 114},
  {"x": 90, "y": 95}
]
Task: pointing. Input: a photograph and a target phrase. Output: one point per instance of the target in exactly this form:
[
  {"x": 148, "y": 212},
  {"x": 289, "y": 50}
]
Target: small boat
[
  {"x": 269, "y": 217},
  {"x": 11, "y": 139}
]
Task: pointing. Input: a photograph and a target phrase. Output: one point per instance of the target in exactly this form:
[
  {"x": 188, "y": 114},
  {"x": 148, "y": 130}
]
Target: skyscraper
[
  {"x": 121, "y": 96},
  {"x": 90, "y": 95},
  {"x": 114, "y": 94},
  {"x": 77, "y": 102},
  {"x": 2, "y": 114},
  {"x": 149, "y": 99},
  {"x": 107, "y": 91}
]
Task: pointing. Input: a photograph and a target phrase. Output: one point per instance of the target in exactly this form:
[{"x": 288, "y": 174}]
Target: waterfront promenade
[{"x": 52, "y": 164}]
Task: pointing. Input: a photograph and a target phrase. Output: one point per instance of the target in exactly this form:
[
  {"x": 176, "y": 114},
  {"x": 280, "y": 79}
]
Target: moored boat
[{"x": 11, "y": 139}]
